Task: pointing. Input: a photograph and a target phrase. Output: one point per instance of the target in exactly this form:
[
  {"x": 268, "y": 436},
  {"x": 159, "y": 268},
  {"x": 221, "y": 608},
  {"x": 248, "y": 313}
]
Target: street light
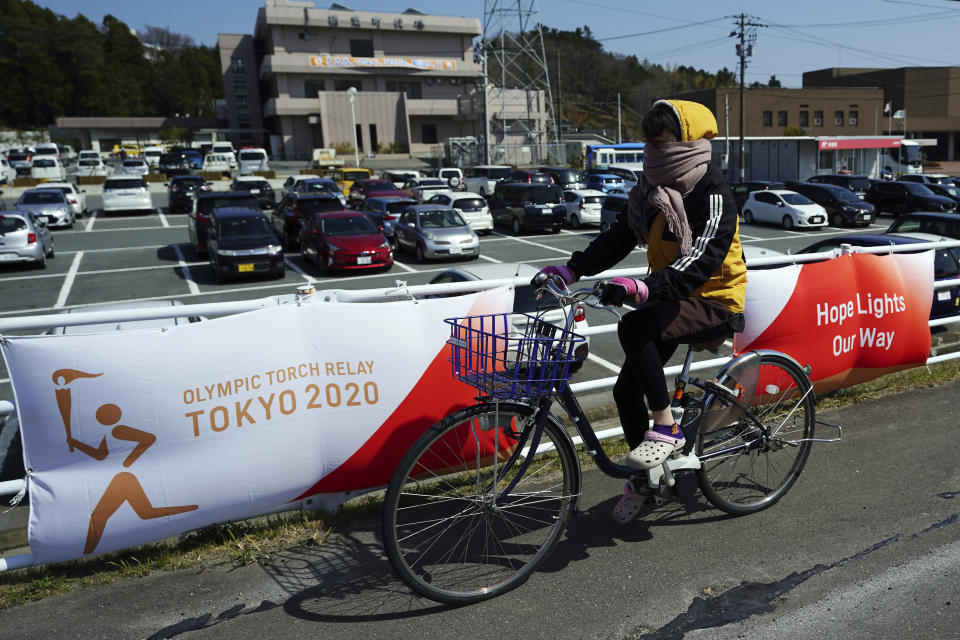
[{"x": 352, "y": 94}]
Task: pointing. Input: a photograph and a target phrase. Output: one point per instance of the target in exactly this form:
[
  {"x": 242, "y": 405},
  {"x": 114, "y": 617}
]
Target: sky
[{"x": 795, "y": 36}]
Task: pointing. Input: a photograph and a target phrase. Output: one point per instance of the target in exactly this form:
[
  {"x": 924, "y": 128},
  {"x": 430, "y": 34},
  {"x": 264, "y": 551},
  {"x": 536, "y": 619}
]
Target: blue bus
[{"x": 626, "y": 154}]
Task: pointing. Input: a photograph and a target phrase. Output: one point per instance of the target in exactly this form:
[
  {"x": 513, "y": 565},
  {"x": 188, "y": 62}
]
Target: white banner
[{"x": 136, "y": 436}]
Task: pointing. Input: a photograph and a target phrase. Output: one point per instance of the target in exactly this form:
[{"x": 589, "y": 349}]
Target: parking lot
[{"x": 107, "y": 258}]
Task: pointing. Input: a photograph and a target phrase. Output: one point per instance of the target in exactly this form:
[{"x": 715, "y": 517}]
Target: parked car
[
  {"x": 843, "y": 207},
  {"x": 529, "y": 176},
  {"x": 430, "y": 231},
  {"x": 946, "y": 266},
  {"x": 385, "y": 211},
  {"x": 566, "y": 178},
  {"x": 604, "y": 182},
  {"x": 858, "y": 184},
  {"x": 152, "y": 156},
  {"x": 292, "y": 182},
  {"x": 423, "y": 188},
  {"x": 940, "y": 224},
  {"x": 452, "y": 176},
  {"x": 628, "y": 175},
  {"x": 135, "y": 166},
  {"x": 241, "y": 242},
  {"x": 219, "y": 162},
  {"x": 48, "y": 167},
  {"x": 360, "y": 189},
  {"x": 583, "y": 206},
  {"x": 945, "y": 190},
  {"x": 25, "y": 237},
  {"x": 926, "y": 178},
  {"x": 905, "y": 197},
  {"x": 194, "y": 157},
  {"x": 204, "y": 204},
  {"x": 784, "y": 207},
  {"x": 91, "y": 167},
  {"x": 76, "y": 197},
  {"x": 472, "y": 207},
  {"x": 524, "y": 298},
  {"x": 7, "y": 173},
  {"x": 89, "y": 154},
  {"x": 175, "y": 163},
  {"x": 126, "y": 193},
  {"x": 528, "y": 206},
  {"x": 399, "y": 177},
  {"x": 258, "y": 187},
  {"x": 182, "y": 191},
  {"x": 321, "y": 185},
  {"x": 21, "y": 161},
  {"x": 483, "y": 179},
  {"x": 346, "y": 176},
  {"x": 288, "y": 217},
  {"x": 344, "y": 240},
  {"x": 52, "y": 204},
  {"x": 253, "y": 159},
  {"x": 224, "y": 147},
  {"x": 47, "y": 149},
  {"x": 743, "y": 189},
  {"x": 613, "y": 205}
]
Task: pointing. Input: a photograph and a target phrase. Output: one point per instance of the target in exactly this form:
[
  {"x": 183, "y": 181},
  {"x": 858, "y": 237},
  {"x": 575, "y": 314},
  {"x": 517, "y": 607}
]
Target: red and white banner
[
  {"x": 852, "y": 318},
  {"x": 352, "y": 62},
  {"x": 136, "y": 436}
]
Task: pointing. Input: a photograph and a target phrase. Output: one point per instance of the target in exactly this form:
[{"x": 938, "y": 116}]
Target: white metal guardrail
[{"x": 401, "y": 291}]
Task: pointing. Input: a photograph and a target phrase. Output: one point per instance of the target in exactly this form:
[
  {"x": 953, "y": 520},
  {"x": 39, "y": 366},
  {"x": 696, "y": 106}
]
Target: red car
[
  {"x": 344, "y": 240},
  {"x": 362, "y": 189}
]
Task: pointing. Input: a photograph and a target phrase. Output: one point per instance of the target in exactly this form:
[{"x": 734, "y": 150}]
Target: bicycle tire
[
  {"x": 441, "y": 532},
  {"x": 751, "y": 480}
]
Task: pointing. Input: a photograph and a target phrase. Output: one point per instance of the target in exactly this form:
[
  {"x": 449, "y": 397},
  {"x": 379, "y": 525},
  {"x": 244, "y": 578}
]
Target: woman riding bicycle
[{"x": 684, "y": 211}]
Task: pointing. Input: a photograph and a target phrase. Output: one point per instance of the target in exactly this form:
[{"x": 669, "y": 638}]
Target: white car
[
  {"x": 484, "y": 178},
  {"x": 7, "y": 173},
  {"x": 152, "y": 156},
  {"x": 584, "y": 206},
  {"x": 219, "y": 162},
  {"x": 76, "y": 197},
  {"x": 135, "y": 166},
  {"x": 422, "y": 189},
  {"x": 91, "y": 167},
  {"x": 786, "y": 208},
  {"x": 253, "y": 159},
  {"x": 453, "y": 177},
  {"x": 126, "y": 193},
  {"x": 47, "y": 167},
  {"x": 472, "y": 207},
  {"x": 89, "y": 154},
  {"x": 399, "y": 177}
]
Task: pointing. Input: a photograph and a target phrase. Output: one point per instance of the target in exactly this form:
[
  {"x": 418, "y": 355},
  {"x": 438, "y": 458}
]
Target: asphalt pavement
[{"x": 865, "y": 545}]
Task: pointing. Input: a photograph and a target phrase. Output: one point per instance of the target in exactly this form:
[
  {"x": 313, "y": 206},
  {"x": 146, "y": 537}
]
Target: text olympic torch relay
[{"x": 124, "y": 445}]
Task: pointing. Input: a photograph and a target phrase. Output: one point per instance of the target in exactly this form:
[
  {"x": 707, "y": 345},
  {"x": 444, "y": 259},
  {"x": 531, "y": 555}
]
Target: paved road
[{"x": 866, "y": 545}]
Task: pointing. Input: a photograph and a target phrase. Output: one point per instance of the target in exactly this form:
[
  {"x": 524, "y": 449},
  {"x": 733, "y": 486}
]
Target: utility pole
[
  {"x": 747, "y": 36},
  {"x": 619, "y": 134}
]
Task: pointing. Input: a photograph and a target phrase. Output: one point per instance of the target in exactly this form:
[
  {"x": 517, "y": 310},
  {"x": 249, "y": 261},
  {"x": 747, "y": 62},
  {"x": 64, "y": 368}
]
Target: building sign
[
  {"x": 826, "y": 144},
  {"x": 348, "y": 62}
]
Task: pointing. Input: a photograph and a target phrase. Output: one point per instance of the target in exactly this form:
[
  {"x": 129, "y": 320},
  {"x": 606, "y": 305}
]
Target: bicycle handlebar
[{"x": 557, "y": 287}]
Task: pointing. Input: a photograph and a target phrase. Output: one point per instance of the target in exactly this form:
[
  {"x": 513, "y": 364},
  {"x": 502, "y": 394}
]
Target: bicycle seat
[{"x": 709, "y": 345}]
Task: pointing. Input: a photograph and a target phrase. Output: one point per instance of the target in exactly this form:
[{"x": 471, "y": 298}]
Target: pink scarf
[{"x": 669, "y": 175}]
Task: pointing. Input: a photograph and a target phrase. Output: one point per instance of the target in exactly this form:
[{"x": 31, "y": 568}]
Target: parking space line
[
  {"x": 489, "y": 259},
  {"x": 806, "y": 234},
  {"x": 185, "y": 269},
  {"x": 93, "y": 218},
  {"x": 86, "y": 230},
  {"x": 68, "y": 281},
  {"x": 603, "y": 363},
  {"x": 533, "y": 244},
  {"x": 405, "y": 267},
  {"x": 163, "y": 218},
  {"x": 140, "y": 248},
  {"x": 93, "y": 272},
  {"x": 302, "y": 273}
]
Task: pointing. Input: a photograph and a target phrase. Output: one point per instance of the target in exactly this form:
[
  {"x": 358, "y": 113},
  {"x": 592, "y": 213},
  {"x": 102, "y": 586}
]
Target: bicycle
[{"x": 483, "y": 496}]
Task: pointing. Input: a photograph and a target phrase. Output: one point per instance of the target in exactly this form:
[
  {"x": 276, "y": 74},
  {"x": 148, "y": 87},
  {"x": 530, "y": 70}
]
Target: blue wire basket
[{"x": 512, "y": 355}]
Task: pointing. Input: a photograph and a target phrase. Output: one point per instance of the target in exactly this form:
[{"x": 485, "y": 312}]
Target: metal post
[
  {"x": 743, "y": 66},
  {"x": 352, "y": 93},
  {"x": 726, "y": 131},
  {"x": 619, "y": 134}
]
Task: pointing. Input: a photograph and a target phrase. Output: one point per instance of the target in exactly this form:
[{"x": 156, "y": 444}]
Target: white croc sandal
[
  {"x": 654, "y": 450},
  {"x": 629, "y": 506}
]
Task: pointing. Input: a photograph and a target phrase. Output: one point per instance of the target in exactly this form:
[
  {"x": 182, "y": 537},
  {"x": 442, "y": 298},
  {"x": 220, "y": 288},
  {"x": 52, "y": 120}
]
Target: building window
[
  {"x": 343, "y": 85},
  {"x": 236, "y": 64},
  {"x": 241, "y": 100},
  {"x": 781, "y": 118},
  {"x": 374, "y": 142},
  {"x": 818, "y": 118},
  {"x": 429, "y": 133},
  {"x": 312, "y": 87},
  {"x": 361, "y": 48},
  {"x": 413, "y": 89},
  {"x": 359, "y": 137},
  {"x": 854, "y": 118},
  {"x": 827, "y": 160},
  {"x": 838, "y": 118},
  {"x": 804, "y": 119},
  {"x": 768, "y": 118}
]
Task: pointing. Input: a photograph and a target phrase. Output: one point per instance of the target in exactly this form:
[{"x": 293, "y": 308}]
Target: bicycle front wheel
[
  {"x": 447, "y": 530},
  {"x": 744, "y": 470}
]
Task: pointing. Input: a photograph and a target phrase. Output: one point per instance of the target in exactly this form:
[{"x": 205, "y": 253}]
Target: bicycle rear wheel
[
  {"x": 444, "y": 533},
  {"x": 740, "y": 479}
]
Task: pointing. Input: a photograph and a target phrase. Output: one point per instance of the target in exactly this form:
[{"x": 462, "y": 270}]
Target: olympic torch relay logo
[{"x": 124, "y": 487}]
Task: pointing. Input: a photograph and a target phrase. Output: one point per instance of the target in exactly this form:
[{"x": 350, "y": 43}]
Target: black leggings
[{"x": 642, "y": 375}]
